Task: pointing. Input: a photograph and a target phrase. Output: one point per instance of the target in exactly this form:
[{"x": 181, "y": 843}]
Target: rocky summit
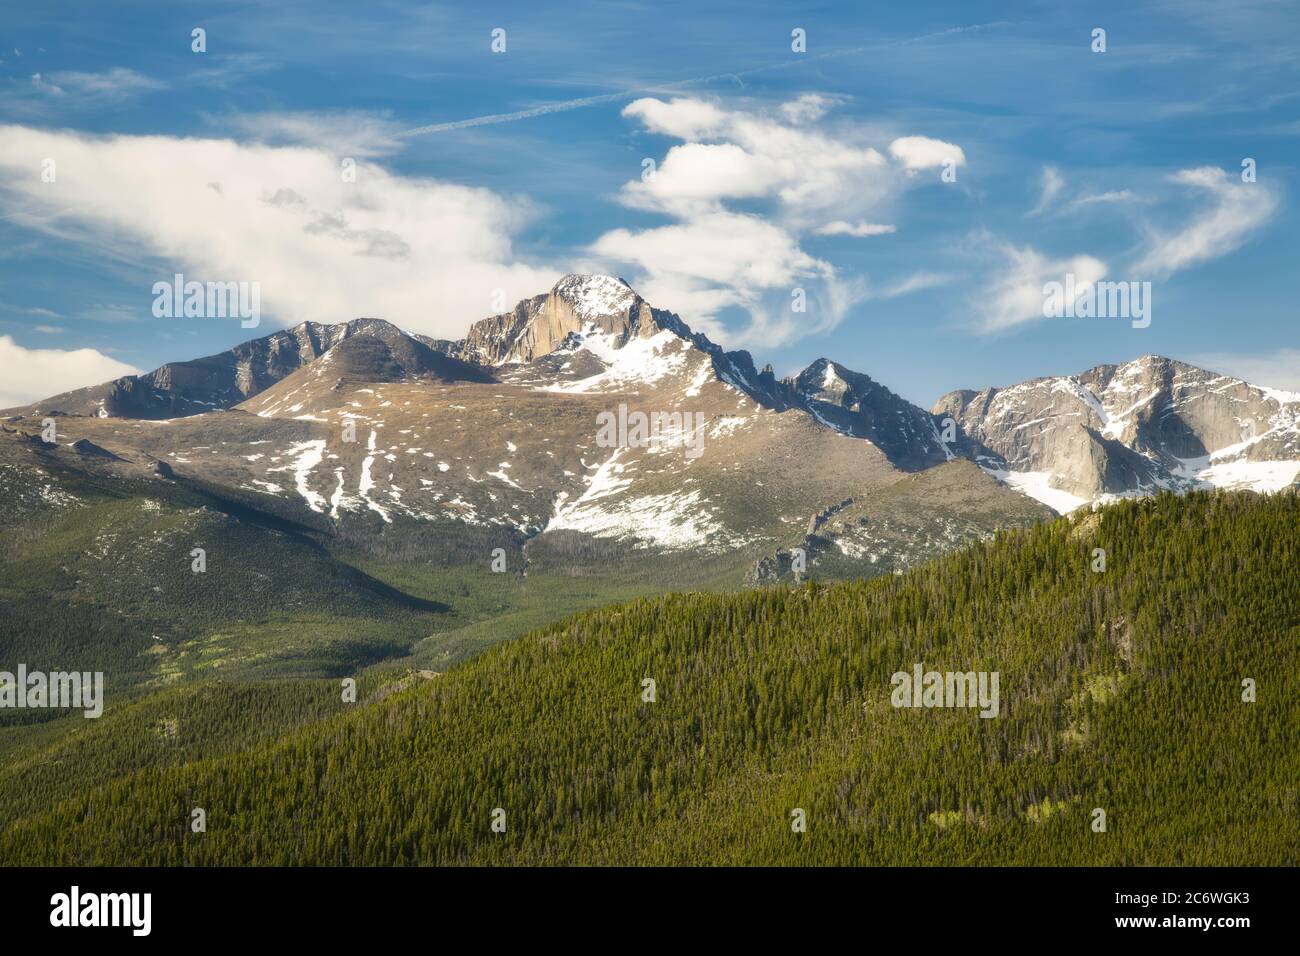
[{"x": 1132, "y": 429}]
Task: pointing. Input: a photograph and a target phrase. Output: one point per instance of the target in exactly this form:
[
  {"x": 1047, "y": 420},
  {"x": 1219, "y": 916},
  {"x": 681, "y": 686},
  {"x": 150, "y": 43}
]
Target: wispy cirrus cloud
[
  {"x": 1052, "y": 184},
  {"x": 1229, "y": 213},
  {"x": 808, "y": 106},
  {"x": 1116, "y": 195},
  {"x": 76, "y": 92},
  {"x": 354, "y": 133},
  {"x": 1226, "y": 214},
  {"x": 1013, "y": 293},
  {"x": 916, "y": 282},
  {"x": 39, "y": 311},
  {"x": 115, "y": 84}
]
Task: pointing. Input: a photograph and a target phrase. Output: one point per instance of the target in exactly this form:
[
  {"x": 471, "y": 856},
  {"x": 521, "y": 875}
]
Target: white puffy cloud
[
  {"x": 750, "y": 155},
  {"x": 921, "y": 152},
  {"x": 684, "y": 118},
  {"x": 32, "y": 374},
  {"x": 722, "y": 260},
  {"x": 721, "y": 247},
  {"x": 697, "y": 175},
  {"x": 1014, "y": 293},
  {"x": 1234, "y": 210},
  {"x": 422, "y": 253},
  {"x": 806, "y": 179}
]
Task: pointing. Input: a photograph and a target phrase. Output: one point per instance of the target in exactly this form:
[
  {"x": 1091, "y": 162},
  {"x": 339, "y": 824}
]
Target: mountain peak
[
  {"x": 538, "y": 326},
  {"x": 1151, "y": 423},
  {"x": 592, "y": 296},
  {"x": 854, "y": 404},
  {"x": 827, "y": 380}
]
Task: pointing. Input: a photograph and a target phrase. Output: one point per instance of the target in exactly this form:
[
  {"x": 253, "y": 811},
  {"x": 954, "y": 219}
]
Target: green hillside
[
  {"x": 1120, "y": 690},
  {"x": 97, "y": 572}
]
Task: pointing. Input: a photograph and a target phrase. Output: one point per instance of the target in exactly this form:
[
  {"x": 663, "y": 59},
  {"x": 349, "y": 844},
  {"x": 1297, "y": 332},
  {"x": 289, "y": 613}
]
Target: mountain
[
  {"x": 442, "y": 505},
  {"x": 1118, "y": 692},
  {"x": 218, "y": 381},
  {"x": 586, "y": 428},
  {"x": 1151, "y": 424},
  {"x": 396, "y": 443},
  {"x": 576, "y": 305},
  {"x": 853, "y": 404}
]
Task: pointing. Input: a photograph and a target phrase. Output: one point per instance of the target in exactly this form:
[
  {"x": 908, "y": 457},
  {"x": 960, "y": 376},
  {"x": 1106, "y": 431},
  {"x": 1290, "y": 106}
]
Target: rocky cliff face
[
  {"x": 1128, "y": 429},
  {"x": 216, "y": 381},
  {"x": 854, "y": 404},
  {"x": 576, "y": 305}
]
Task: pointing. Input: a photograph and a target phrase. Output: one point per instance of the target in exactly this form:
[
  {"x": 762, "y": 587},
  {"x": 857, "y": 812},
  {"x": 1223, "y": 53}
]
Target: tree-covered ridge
[
  {"x": 173, "y": 725},
  {"x": 1120, "y": 690}
]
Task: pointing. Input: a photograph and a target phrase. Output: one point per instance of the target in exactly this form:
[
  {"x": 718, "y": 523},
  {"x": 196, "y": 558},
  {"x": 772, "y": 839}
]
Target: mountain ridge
[
  {"x": 594, "y": 343},
  {"x": 1150, "y": 424}
]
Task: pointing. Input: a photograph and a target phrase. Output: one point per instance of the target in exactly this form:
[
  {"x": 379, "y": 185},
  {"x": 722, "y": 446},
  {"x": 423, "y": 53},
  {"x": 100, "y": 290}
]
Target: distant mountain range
[
  {"x": 362, "y": 430},
  {"x": 1131, "y": 429}
]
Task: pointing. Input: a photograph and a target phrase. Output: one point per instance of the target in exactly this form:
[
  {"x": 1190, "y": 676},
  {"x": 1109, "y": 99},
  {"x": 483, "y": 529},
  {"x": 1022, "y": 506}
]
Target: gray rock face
[
  {"x": 1136, "y": 428},
  {"x": 577, "y": 303},
  {"x": 555, "y": 325},
  {"x": 854, "y": 404},
  {"x": 217, "y": 381}
]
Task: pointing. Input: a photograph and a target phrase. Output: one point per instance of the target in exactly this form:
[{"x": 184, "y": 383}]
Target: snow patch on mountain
[
  {"x": 1038, "y": 485},
  {"x": 673, "y": 521},
  {"x": 307, "y": 455},
  {"x": 593, "y": 296},
  {"x": 367, "y": 482},
  {"x": 638, "y": 361},
  {"x": 1259, "y": 476}
]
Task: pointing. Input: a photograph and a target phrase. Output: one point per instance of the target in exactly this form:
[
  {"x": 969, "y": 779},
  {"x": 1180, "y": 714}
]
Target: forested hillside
[{"x": 1120, "y": 689}]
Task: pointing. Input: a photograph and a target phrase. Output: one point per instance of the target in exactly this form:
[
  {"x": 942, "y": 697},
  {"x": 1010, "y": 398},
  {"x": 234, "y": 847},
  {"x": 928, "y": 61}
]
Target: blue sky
[{"x": 1123, "y": 164}]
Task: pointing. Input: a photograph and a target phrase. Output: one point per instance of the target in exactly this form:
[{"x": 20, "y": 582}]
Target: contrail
[
  {"x": 566, "y": 105},
  {"x": 517, "y": 115}
]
